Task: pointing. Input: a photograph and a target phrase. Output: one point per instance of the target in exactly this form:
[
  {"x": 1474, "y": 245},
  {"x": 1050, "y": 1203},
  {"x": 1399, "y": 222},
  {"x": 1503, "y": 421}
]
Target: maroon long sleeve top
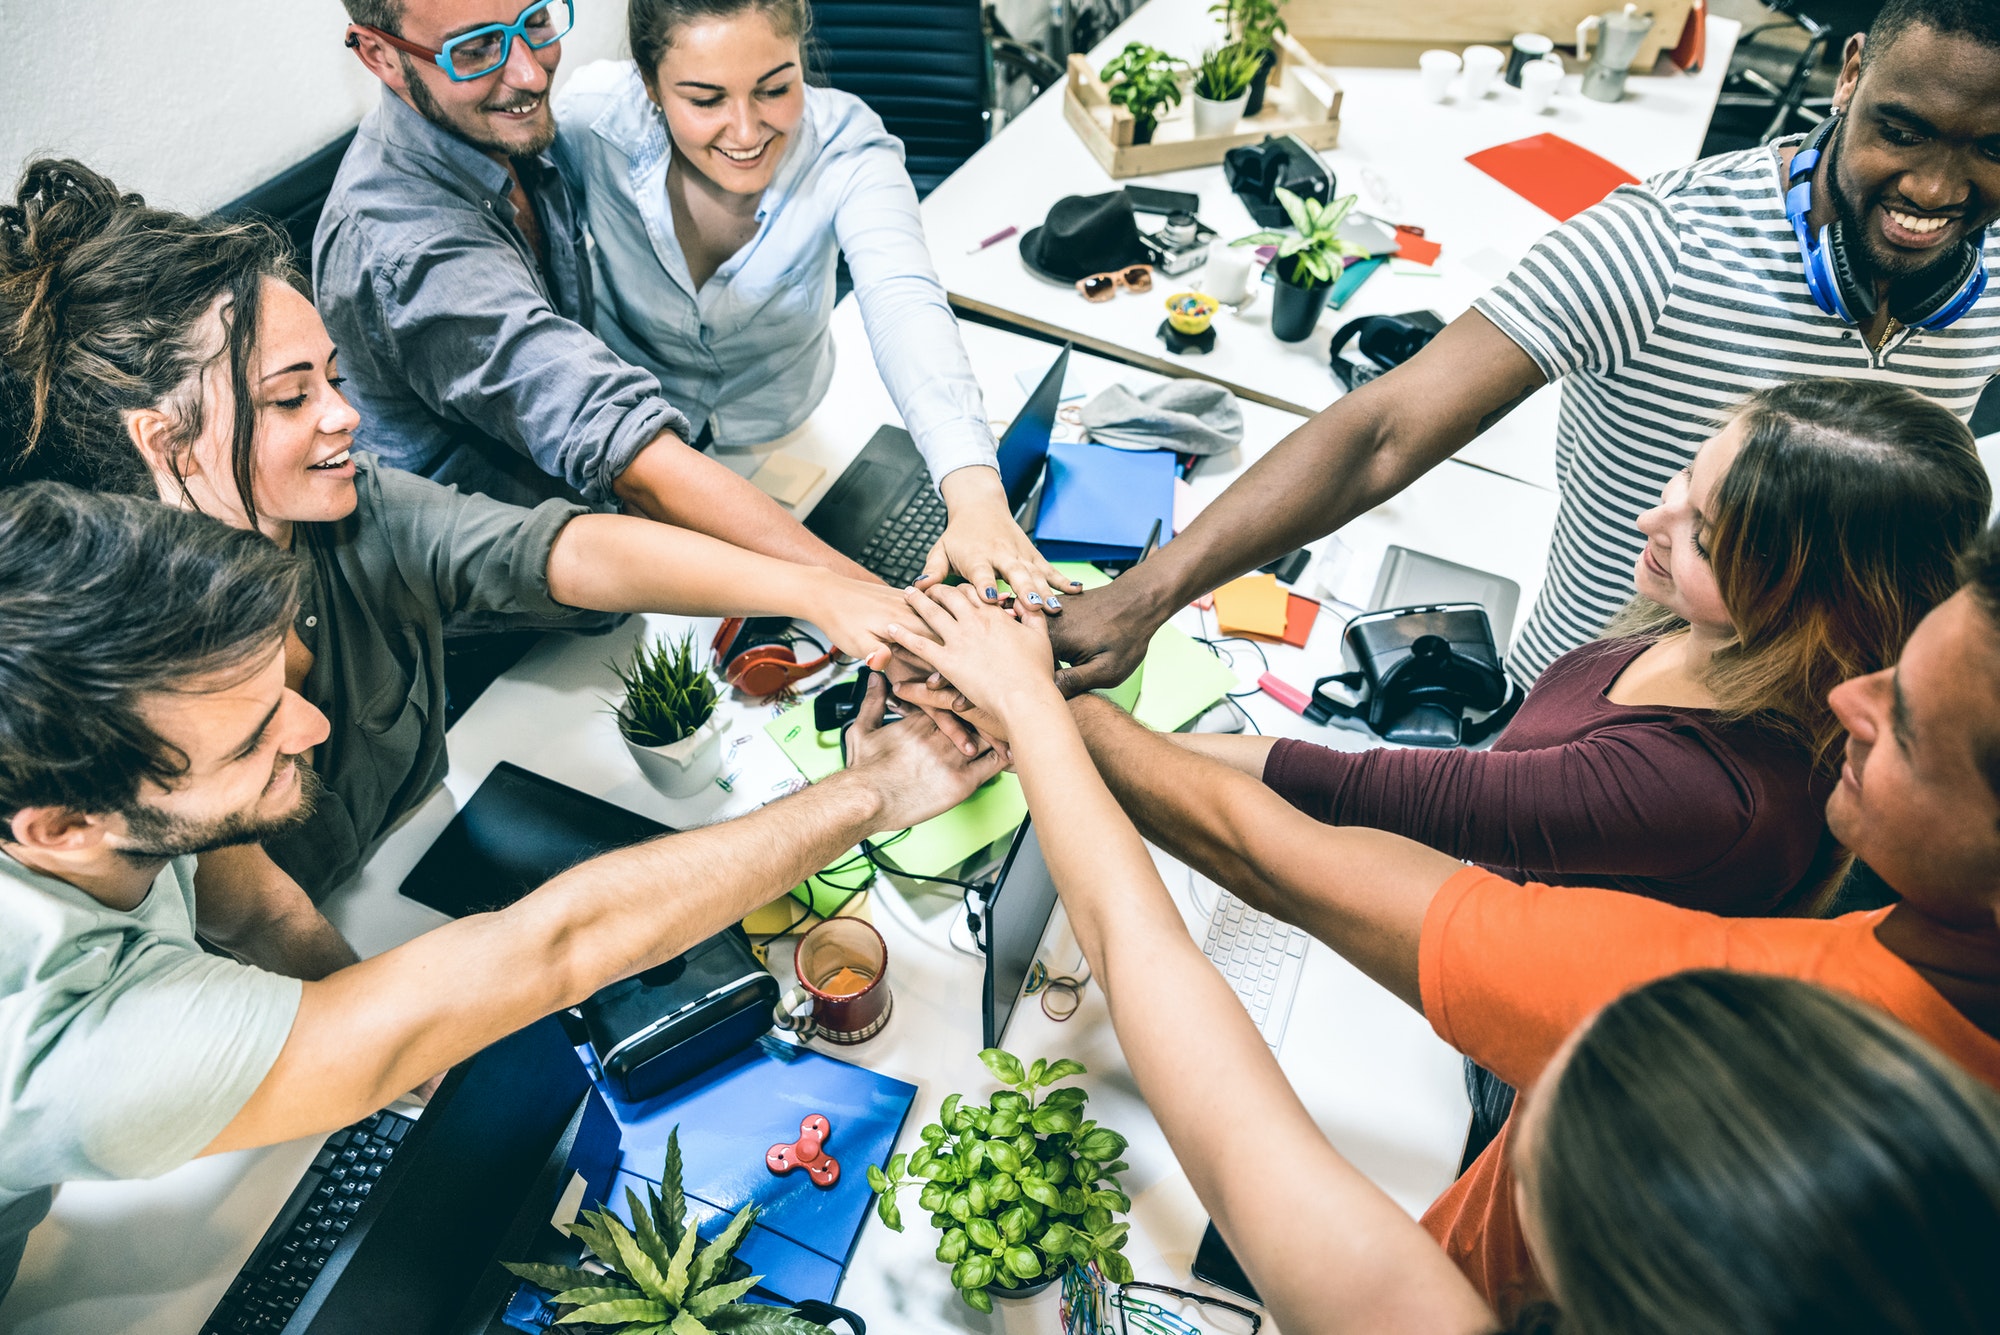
[{"x": 1675, "y": 804}]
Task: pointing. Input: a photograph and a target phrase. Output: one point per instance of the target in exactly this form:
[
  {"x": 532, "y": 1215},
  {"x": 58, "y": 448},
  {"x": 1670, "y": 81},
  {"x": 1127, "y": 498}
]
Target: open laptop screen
[
  {"x": 1025, "y": 445},
  {"x": 1016, "y": 916}
]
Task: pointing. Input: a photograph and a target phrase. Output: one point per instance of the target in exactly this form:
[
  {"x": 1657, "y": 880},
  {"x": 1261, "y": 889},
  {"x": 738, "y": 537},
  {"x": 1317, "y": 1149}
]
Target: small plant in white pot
[
  {"x": 1222, "y": 89},
  {"x": 668, "y": 717}
]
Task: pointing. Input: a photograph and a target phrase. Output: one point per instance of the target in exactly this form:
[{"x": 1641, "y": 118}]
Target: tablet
[
  {"x": 1017, "y": 913},
  {"x": 1418, "y": 579},
  {"x": 517, "y": 832}
]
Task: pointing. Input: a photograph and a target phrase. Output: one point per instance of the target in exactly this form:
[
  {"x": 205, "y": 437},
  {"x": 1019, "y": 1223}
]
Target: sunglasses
[{"x": 1104, "y": 286}]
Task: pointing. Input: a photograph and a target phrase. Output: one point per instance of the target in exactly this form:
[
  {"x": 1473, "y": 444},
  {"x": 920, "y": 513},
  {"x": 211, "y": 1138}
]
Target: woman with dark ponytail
[
  {"x": 147, "y": 352},
  {"x": 721, "y": 188}
]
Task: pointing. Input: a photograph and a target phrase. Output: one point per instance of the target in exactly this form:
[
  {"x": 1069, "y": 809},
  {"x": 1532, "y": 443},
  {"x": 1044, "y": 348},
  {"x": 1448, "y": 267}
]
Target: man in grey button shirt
[
  {"x": 450, "y": 267},
  {"x": 144, "y": 718}
]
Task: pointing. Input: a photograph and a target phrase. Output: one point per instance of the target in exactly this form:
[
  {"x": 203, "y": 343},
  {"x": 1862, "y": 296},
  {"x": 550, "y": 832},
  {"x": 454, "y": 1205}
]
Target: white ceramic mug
[
  {"x": 1482, "y": 65},
  {"x": 1227, "y": 274},
  {"x": 1436, "y": 70},
  {"x": 1539, "y": 79}
]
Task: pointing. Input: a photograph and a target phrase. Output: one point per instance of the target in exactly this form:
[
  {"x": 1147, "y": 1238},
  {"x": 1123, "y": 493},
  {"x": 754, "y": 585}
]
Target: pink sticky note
[{"x": 1188, "y": 503}]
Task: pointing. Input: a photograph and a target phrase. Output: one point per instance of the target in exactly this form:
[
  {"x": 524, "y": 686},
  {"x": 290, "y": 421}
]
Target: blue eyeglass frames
[{"x": 476, "y": 54}]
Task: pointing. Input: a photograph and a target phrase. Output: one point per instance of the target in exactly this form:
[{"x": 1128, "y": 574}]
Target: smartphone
[
  {"x": 1215, "y": 1264},
  {"x": 1146, "y": 199}
]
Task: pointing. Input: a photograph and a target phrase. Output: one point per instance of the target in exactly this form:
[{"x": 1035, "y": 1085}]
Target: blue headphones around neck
[{"x": 1831, "y": 278}]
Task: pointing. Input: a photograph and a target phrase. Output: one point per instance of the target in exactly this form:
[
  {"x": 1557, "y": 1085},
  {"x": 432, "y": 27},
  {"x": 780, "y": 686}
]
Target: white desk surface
[
  {"x": 1404, "y": 156},
  {"x": 129, "y": 1257}
]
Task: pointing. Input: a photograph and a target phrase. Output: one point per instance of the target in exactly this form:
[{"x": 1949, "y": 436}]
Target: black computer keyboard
[
  {"x": 296, "y": 1246},
  {"x": 900, "y": 547}
]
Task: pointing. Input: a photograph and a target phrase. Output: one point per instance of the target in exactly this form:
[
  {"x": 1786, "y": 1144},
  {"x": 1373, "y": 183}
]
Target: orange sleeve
[{"x": 1507, "y": 971}]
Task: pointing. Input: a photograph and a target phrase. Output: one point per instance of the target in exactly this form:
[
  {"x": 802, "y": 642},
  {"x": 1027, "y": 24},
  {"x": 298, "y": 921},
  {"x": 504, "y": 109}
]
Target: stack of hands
[{"x": 983, "y": 672}]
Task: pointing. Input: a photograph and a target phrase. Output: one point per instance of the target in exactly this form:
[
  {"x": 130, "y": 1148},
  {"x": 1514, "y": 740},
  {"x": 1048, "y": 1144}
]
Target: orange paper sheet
[
  {"x": 1253, "y": 605},
  {"x": 1418, "y": 249}
]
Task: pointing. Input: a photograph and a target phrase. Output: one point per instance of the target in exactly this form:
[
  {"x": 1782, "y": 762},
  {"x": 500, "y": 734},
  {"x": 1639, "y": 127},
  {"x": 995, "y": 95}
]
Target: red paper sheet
[
  {"x": 1420, "y": 249},
  {"x": 1300, "y": 613},
  {"x": 1551, "y": 173}
]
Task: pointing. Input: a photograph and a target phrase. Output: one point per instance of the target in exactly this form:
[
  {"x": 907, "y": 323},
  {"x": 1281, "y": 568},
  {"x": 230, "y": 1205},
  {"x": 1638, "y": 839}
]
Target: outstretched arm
[
  {"x": 1325, "y": 1247},
  {"x": 1363, "y": 892},
  {"x": 367, "y": 1033},
  {"x": 1358, "y": 453}
]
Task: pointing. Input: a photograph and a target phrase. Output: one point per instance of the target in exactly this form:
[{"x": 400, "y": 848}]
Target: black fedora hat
[{"x": 1085, "y": 235}]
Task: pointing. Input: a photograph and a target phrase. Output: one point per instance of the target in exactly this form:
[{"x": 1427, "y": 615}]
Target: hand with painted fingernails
[{"x": 1000, "y": 663}]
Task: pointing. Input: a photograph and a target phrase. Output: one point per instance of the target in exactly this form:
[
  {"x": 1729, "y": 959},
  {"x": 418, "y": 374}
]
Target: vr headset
[
  {"x": 1380, "y": 343},
  {"x": 1255, "y": 171},
  {"x": 1425, "y": 676}
]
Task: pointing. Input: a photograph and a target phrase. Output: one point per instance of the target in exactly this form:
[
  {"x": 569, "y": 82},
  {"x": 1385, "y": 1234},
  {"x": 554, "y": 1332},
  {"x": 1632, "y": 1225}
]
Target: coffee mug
[
  {"x": 1482, "y": 66},
  {"x": 1435, "y": 71},
  {"x": 1527, "y": 46},
  {"x": 1538, "y": 83},
  {"x": 843, "y": 967}
]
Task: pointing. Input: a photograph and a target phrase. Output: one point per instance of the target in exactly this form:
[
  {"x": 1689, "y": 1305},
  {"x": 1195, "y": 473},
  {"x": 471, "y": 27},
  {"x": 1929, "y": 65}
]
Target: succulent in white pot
[
  {"x": 1222, "y": 89},
  {"x": 667, "y": 717}
]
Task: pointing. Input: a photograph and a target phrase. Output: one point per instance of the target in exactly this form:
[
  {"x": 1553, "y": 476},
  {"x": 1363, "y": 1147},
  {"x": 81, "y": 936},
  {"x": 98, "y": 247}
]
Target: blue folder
[
  {"x": 731, "y": 1116},
  {"x": 1101, "y": 504}
]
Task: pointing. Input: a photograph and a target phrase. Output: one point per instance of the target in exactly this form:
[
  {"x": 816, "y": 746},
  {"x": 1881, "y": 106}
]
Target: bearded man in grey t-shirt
[{"x": 144, "y": 719}]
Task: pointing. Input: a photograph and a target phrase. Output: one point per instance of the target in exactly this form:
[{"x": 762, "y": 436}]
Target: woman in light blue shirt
[{"x": 720, "y": 190}]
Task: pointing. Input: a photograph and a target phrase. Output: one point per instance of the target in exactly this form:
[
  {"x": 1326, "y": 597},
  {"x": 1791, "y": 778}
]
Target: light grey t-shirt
[{"x": 124, "y": 1049}]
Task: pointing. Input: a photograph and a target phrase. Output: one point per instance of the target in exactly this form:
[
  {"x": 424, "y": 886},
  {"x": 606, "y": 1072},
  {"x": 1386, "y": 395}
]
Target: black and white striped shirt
[{"x": 1660, "y": 308}]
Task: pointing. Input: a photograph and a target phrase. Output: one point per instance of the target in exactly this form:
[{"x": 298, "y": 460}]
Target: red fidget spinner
[{"x": 806, "y": 1153}]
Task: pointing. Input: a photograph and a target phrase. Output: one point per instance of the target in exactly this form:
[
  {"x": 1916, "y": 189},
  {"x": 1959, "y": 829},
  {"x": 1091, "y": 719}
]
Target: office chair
[
  {"x": 1826, "y": 23},
  {"x": 922, "y": 65}
]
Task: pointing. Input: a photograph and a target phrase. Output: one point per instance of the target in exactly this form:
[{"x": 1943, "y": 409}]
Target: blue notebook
[
  {"x": 1101, "y": 504},
  {"x": 731, "y": 1116}
]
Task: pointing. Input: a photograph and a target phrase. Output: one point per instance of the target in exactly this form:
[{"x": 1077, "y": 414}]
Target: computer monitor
[
  {"x": 473, "y": 1185},
  {"x": 1024, "y": 446},
  {"x": 1017, "y": 914}
]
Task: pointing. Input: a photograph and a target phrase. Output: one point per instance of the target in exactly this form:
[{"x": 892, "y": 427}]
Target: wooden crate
[
  {"x": 1368, "y": 32},
  {"x": 1303, "y": 99}
]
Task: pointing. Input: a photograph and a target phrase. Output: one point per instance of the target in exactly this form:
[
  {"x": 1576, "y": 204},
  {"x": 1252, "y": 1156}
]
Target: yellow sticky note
[{"x": 1253, "y": 605}]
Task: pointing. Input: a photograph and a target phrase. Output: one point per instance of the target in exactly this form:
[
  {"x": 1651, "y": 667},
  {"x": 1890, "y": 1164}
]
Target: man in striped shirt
[{"x": 1658, "y": 309}]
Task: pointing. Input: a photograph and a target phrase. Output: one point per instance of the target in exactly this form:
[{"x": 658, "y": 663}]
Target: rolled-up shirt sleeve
[
  {"x": 478, "y": 342},
  {"x": 911, "y": 329},
  {"x": 479, "y": 554}
]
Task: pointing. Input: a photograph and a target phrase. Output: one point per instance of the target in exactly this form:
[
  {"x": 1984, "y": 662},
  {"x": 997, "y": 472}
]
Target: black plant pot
[
  {"x": 1142, "y": 130},
  {"x": 1265, "y": 64},
  {"x": 1294, "y": 309}
]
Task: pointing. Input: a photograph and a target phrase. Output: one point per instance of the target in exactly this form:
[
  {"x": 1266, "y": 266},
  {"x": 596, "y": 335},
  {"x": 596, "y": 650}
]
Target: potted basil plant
[
  {"x": 667, "y": 717},
  {"x": 1222, "y": 89},
  {"x": 1146, "y": 81},
  {"x": 1310, "y": 258},
  {"x": 1019, "y": 1188}
]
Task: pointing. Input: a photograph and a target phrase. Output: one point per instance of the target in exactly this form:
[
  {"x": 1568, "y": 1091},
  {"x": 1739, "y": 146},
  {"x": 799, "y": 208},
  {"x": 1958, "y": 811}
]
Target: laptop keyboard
[
  {"x": 1261, "y": 957},
  {"x": 272, "y": 1283},
  {"x": 900, "y": 547}
]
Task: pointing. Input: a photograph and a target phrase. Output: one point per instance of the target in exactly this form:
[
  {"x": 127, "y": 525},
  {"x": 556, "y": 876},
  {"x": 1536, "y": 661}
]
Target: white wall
[{"x": 192, "y": 104}]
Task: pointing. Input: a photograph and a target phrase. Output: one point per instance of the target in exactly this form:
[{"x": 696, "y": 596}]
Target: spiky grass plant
[
  {"x": 667, "y": 694},
  {"x": 659, "y": 1284}
]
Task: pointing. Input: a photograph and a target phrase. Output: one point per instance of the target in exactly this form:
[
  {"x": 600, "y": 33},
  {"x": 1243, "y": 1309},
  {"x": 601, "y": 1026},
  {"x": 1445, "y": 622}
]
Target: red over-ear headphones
[{"x": 755, "y": 654}]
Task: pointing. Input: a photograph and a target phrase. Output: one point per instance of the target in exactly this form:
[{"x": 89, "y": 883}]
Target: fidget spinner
[{"x": 807, "y": 1152}]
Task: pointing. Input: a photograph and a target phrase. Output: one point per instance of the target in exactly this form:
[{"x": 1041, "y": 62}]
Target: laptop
[
  {"x": 1016, "y": 917},
  {"x": 884, "y": 513},
  {"x": 401, "y": 1223}
]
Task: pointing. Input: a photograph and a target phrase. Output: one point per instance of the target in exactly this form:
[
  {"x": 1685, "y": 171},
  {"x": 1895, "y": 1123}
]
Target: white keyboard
[{"x": 1261, "y": 957}]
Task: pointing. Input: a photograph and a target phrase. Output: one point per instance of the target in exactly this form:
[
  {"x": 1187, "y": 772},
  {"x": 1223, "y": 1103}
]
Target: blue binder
[
  {"x": 731, "y": 1116},
  {"x": 1101, "y": 504}
]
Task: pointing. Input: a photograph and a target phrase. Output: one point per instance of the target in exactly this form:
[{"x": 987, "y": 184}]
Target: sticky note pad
[
  {"x": 1182, "y": 679},
  {"x": 1300, "y": 613},
  {"x": 1410, "y": 246},
  {"x": 1253, "y": 605}
]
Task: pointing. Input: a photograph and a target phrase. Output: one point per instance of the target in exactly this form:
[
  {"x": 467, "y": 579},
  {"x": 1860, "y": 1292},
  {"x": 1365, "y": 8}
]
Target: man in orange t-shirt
[{"x": 1505, "y": 972}]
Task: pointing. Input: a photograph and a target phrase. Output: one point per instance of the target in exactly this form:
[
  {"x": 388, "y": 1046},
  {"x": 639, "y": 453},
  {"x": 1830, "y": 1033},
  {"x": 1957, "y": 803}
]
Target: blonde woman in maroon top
[{"x": 1688, "y": 755}]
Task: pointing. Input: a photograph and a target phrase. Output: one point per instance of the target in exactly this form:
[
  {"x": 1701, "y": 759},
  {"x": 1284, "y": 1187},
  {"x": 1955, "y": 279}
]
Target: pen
[{"x": 993, "y": 240}]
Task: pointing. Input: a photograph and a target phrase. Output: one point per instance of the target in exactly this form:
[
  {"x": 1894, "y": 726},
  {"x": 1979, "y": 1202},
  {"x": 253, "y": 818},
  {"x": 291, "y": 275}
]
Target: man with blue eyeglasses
[{"x": 450, "y": 267}]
